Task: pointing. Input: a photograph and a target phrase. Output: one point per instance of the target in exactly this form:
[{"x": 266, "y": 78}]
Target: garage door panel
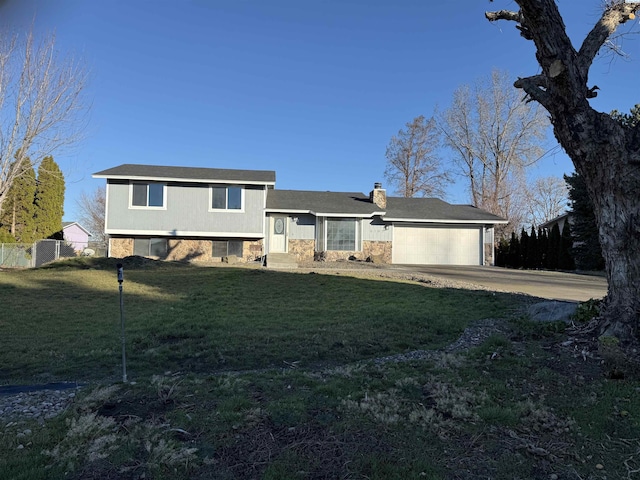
[{"x": 437, "y": 245}]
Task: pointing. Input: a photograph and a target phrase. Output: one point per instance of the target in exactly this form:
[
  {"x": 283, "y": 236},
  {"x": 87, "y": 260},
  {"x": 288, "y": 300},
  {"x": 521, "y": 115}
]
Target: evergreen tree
[
  {"x": 628, "y": 119},
  {"x": 514, "y": 252},
  {"x": 49, "y": 199},
  {"x": 524, "y": 248},
  {"x": 543, "y": 246},
  {"x": 502, "y": 253},
  {"x": 553, "y": 248},
  {"x": 17, "y": 215},
  {"x": 6, "y": 237},
  {"x": 565, "y": 259},
  {"x": 533, "y": 260},
  {"x": 586, "y": 244}
]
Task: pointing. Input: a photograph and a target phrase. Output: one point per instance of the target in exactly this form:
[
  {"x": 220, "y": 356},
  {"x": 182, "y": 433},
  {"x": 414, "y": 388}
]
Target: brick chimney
[{"x": 378, "y": 196}]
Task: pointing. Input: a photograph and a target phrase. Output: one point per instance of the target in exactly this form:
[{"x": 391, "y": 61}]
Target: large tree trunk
[
  {"x": 604, "y": 152},
  {"x": 620, "y": 241}
]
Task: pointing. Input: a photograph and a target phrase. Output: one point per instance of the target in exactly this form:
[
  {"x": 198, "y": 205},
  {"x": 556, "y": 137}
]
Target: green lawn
[
  {"x": 64, "y": 323},
  {"x": 250, "y": 373}
]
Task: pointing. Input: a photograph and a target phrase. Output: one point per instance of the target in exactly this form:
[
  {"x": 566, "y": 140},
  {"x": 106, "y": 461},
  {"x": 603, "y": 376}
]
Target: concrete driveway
[{"x": 552, "y": 285}]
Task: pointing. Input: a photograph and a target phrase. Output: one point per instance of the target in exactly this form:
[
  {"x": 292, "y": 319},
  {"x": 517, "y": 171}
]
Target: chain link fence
[
  {"x": 17, "y": 255},
  {"x": 28, "y": 255}
]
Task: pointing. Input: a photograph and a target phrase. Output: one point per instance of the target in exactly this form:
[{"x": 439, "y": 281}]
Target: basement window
[
  {"x": 224, "y": 248},
  {"x": 150, "y": 247}
]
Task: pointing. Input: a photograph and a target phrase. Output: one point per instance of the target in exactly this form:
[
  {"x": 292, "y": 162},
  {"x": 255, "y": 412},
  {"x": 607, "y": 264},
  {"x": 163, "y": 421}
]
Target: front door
[{"x": 278, "y": 240}]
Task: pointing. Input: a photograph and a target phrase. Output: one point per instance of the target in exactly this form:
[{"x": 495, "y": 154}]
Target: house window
[
  {"x": 341, "y": 234},
  {"x": 150, "y": 247},
  {"x": 224, "y": 248},
  {"x": 147, "y": 195},
  {"x": 226, "y": 198}
]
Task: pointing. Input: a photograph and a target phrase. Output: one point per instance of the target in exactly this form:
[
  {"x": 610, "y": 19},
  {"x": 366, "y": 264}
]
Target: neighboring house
[
  {"x": 75, "y": 235},
  {"x": 560, "y": 220},
  {"x": 204, "y": 214}
]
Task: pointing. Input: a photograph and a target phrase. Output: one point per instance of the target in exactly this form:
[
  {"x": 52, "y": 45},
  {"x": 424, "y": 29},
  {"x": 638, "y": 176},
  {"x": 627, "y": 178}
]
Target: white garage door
[{"x": 437, "y": 245}]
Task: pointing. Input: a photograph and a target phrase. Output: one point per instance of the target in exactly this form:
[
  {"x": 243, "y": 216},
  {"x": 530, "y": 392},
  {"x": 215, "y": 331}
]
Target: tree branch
[
  {"x": 555, "y": 54},
  {"x": 511, "y": 16},
  {"x": 614, "y": 15},
  {"x": 535, "y": 86},
  {"x": 503, "y": 15}
]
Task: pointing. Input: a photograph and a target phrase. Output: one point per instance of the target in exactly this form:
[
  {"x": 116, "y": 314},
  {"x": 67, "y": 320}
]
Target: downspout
[
  {"x": 493, "y": 246},
  {"x": 266, "y": 225}
]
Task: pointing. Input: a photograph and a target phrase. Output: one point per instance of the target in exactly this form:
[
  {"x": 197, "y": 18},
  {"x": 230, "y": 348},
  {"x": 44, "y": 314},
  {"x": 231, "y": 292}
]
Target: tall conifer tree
[
  {"x": 553, "y": 247},
  {"x": 565, "y": 259},
  {"x": 586, "y": 250},
  {"x": 18, "y": 209},
  {"x": 49, "y": 199},
  {"x": 543, "y": 245},
  {"x": 524, "y": 248},
  {"x": 514, "y": 252},
  {"x": 533, "y": 255}
]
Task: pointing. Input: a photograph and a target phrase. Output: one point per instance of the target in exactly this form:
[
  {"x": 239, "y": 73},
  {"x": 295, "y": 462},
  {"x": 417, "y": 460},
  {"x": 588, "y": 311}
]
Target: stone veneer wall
[
  {"x": 189, "y": 250},
  {"x": 383, "y": 249},
  {"x": 488, "y": 254},
  {"x": 252, "y": 250},
  {"x": 120, "y": 247},
  {"x": 369, "y": 248},
  {"x": 379, "y": 197},
  {"x": 192, "y": 250},
  {"x": 335, "y": 255},
  {"x": 302, "y": 249}
]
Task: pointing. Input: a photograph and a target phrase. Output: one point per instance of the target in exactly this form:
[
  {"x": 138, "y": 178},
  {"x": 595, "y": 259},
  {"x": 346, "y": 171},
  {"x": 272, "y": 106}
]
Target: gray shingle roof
[
  {"x": 196, "y": 174},
  {"x": 346, "y": 203},
  {"x": 358, "y": 204},
  {"x": 337, "y": 203},
  {"x": 423, "y": 209},
  {"x": 549, "y": 224}
]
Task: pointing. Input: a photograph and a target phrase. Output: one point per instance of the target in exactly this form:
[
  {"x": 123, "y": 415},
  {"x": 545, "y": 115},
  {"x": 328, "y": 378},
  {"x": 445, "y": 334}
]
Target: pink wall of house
[{"x": 76, "y": 236}]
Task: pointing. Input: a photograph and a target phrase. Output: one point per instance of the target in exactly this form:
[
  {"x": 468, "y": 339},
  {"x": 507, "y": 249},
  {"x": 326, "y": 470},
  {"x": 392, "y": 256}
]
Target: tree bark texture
[{"x": 604, "y": 151}]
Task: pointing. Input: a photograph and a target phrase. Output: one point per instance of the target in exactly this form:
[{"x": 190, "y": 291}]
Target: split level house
[{"x": 207, "y": 214}]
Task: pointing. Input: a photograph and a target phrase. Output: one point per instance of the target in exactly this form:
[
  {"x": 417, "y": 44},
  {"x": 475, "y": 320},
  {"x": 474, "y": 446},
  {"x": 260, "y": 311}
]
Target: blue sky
[{"x": 312, "y": 90}]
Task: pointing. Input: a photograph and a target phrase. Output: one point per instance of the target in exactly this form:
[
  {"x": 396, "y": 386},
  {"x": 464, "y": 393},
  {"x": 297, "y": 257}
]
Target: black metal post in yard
[{"x": 124, "y": 356}]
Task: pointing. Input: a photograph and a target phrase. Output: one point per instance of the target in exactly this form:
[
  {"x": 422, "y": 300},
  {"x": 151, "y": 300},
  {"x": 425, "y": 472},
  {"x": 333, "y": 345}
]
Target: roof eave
[
  {"x": 180, "y": 179},
  {"x": 431, "y": 220},
  {"x": 287, "y": 210},
  {"x": 343, "y": 215},
  {"x": 324, "y": 214}
]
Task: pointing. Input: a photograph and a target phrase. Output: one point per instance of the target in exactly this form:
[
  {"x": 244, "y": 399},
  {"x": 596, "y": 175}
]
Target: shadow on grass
[{"x": 62, "y": 322}]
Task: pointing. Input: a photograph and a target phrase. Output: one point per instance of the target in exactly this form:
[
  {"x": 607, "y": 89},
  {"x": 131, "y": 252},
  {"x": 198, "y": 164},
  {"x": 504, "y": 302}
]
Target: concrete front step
[{"x": 281, "y": 260}]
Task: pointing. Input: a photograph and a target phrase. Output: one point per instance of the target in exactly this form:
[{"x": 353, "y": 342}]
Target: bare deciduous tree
[
  {"x": 413, "y": 167},
  {"x": 604, "y": 150},
  {"x": 92, "y": 211},
  {"x": 547, "y": 198},
  {"x": 41, "y": 104},
  {"x": 494, "y": 136}
]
